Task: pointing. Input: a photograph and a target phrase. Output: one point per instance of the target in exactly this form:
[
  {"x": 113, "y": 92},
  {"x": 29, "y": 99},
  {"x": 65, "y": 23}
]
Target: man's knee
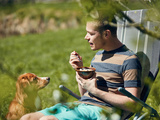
[
  {"x": 32, "y": 116},
  {"x": 25, "y": 117},
  {"x": 50, "y": 117}
]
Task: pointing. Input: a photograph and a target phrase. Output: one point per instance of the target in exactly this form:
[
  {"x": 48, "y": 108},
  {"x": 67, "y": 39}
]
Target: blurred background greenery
[{"x": 38, "y": 37}]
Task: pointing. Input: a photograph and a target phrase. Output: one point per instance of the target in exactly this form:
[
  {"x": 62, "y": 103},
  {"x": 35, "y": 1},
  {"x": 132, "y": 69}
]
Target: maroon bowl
[{"x": 86, "y": 72}]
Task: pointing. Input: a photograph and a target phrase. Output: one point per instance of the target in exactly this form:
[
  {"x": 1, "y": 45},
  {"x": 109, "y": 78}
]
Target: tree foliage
[{"x": 98, "y": 9}]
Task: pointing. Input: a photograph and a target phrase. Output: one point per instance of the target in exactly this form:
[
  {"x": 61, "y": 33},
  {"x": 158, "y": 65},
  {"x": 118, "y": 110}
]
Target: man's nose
[{"x": 86, "y": 37}]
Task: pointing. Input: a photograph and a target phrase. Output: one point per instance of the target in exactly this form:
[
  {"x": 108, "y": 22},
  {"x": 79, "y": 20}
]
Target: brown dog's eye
[{"x": 35, "y": 79}]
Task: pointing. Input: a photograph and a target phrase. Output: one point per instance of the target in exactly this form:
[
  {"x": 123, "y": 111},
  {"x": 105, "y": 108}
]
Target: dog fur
[{"x": 27, "y": 88}]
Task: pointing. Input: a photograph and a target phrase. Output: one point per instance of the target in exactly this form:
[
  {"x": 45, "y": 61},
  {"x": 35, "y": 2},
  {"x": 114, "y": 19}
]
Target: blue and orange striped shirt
[{"x": 116, "y": 68}]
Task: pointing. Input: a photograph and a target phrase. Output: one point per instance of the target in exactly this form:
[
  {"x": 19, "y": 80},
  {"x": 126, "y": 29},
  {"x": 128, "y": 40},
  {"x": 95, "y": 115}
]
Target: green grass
[
  {"x": 44, "y": 54},
  {"x": 47, "y": 54}
]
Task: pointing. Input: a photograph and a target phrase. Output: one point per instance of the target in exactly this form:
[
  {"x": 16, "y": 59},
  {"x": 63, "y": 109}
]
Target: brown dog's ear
[{"x": 22, "y": 82}]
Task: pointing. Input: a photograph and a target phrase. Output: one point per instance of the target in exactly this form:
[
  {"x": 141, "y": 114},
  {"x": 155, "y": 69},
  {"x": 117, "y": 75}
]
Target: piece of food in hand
[{"x": 86, "y": 72}]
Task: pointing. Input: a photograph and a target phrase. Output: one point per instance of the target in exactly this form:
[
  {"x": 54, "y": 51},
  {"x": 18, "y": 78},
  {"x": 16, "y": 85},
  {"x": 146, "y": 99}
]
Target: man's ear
[{"x": 107, "y": 33}]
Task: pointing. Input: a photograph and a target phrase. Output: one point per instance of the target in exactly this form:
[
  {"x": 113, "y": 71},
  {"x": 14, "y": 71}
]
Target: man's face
[{"x": 94, "y": 37}]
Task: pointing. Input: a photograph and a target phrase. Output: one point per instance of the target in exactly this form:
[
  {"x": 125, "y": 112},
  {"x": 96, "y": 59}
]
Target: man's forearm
[{"x": 117, "y": 100}]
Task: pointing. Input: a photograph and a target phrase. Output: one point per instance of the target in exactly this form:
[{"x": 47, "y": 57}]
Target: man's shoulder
[{"x": 124, "y": 51}]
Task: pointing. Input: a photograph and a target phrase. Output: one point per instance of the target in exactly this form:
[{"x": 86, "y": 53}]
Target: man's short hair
[{"x": 105, "y": 24}]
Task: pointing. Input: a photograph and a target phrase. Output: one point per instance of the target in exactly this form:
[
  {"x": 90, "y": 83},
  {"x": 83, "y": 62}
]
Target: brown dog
[{"x": 27, "y": 87}]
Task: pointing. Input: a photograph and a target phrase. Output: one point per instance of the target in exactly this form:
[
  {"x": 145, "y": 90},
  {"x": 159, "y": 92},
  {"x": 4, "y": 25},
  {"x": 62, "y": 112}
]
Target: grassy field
[
  {"x": 44, "y": 54},
  {"x": 48, "y": 54}
]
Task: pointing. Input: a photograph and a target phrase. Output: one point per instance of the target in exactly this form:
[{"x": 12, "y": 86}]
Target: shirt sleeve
[{"x": 132, "y": 72}]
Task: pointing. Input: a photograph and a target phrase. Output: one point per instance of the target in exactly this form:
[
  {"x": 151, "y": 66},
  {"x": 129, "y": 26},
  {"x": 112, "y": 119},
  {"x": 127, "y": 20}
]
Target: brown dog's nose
[{"x": 48, "y": 78}]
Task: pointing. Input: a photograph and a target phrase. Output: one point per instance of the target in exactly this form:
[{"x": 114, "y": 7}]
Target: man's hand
[
  {"x": 88, "y": 84},
  {"x": 75, "y": 60}
]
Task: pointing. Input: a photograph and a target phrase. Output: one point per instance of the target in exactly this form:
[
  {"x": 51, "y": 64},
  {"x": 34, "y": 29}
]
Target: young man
[{"x": 116, "y": 66}]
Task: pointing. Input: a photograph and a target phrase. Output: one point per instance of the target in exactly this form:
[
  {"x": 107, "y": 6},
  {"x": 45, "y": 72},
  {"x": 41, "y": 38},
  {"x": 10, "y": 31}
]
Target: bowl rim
[{"x": 93, "y": 69}]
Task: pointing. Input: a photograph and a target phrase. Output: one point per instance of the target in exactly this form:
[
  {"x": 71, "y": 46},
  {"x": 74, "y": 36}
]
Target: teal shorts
[{"x": 74, "y": 111}]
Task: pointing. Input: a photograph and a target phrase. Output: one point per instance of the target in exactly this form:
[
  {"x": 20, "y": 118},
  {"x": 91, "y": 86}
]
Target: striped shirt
[{"x": 116, "y": 68}]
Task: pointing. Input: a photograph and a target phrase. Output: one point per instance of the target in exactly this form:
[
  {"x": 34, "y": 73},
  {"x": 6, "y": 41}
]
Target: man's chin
[{"x": 93, "y": 49}]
